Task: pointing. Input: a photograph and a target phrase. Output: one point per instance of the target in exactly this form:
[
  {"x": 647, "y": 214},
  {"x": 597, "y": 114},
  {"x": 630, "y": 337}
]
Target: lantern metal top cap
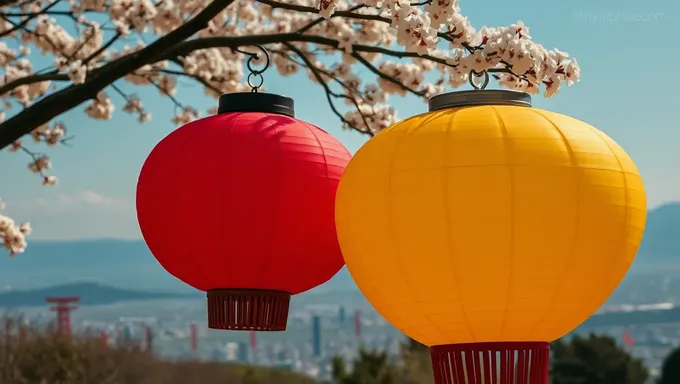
[
  {"x": 256, "y": 102},
  {"x": 479, "y": 97}
]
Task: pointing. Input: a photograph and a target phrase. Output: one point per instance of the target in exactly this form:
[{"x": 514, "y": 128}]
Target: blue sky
[{"x": 626, "y": 50}]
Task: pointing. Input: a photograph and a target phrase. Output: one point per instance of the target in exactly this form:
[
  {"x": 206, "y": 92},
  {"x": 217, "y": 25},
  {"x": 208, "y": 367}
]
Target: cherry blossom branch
[
  {"x": 385, "y": 76},
  {"x": 58, "y": 102},
  {"x": 364, "y": 115},
  {"x": 324, "y": 72},
  {"x": 350, "y": 14},
  {"x": 186, "y": 47},
  {"x": 12, "y": 236},
  {"x": 133, "y": 104},
  {"x": 102, "y": 49},
  {"x": 454, "y": 33},
  {"x": 32, "y": 79},
  {"x": 329, "y": 93},
  {"x": 22, "y": 26},
  {"x": 61, "y": 101},
  {"x": 451, "y": 34},
  {"x": 193, "y": 77},
  {"x": 5, "y": 3},
  {"x": 167, "y": 94},
  {"x": 321, "y": 19},
  {"x": 39, "y": 163},
  {"x": 24, "y": 22},
  {"x": 216, "y": 91}
]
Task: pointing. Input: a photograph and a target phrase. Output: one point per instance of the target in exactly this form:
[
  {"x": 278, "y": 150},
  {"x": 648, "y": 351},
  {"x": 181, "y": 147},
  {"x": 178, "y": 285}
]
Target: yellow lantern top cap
[{"x": 478, "y": 97}]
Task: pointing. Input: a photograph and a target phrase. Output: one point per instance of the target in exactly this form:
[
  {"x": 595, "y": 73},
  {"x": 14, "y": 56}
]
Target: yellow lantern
[{"x": 487, "y": 228}]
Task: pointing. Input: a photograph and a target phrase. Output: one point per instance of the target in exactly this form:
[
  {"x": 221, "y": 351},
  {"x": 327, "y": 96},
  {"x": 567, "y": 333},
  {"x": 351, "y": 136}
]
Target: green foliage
[
  {"x": 594, "y": 360},
  {"x": 582, "y": 360},
  {"x": 371, "y": 367},
  {"x": 417, "y": 363},
  {"x": 413, "y": 346},
  {"x": 670, "y": 370},
  {"x": 36, "y": 356}
]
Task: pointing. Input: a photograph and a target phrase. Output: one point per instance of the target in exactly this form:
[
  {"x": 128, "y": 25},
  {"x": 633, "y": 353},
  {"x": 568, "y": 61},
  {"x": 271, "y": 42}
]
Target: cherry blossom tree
[{"x": 400, "y": 43}]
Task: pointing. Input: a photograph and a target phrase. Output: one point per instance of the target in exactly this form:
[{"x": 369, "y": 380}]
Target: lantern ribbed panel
[
  {"x": 242, "y": 205},
  {"x": 491, "y": 363},
  {"x": 489, "y": 223},
  {"x": 244, "y": 309}
]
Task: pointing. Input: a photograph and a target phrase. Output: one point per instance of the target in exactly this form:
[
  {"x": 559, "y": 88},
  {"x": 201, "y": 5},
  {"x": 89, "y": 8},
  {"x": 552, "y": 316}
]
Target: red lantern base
[
  {"x": 491, "y": 363},
  {"x": 248, "y": 309}
]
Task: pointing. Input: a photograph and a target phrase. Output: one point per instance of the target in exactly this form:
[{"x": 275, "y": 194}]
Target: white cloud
[
  {"x": 86, "y": 200},
  {"x": 83, "y": 198},
  {"x": 80, "y": 215}
]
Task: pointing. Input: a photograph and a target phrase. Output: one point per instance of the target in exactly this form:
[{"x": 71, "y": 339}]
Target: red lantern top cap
[{"x": 256, "y": 102}]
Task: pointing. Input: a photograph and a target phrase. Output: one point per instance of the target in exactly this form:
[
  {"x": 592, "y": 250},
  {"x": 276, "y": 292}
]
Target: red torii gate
[{"x": 63, "y": 307}]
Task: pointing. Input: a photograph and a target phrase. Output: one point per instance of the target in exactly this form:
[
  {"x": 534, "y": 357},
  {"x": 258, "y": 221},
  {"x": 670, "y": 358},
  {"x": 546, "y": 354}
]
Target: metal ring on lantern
[
  {"x": 477, "y": 75},
  {"x": 256, "y": 73},
  {"x": 255, "y": 101},
  {"x": 475, "y": 98}
]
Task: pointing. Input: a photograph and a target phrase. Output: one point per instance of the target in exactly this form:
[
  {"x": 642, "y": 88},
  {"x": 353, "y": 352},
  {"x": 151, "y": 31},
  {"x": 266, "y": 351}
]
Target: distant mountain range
[
  {"x": 89, "y": 293},
  {"x": 117, "y": 263},
  {"x": 633, "y": 318},
  {"x": 662, "y": 235},
  {"x": 130, "y": 264}
]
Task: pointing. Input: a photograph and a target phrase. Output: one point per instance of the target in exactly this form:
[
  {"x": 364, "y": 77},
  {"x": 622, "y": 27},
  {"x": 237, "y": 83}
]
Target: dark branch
[
  {"x": 26, "y": 80},
  {"x": 176, "y": 45},
  {"x": 25, "y": 21},
  {"x": 68, "y": 98},
  {"x": 186, "y": 47},
  {"x": 385, "y": 76},
  {"x": 321, "y": 19},
  {"x": 304, "y": 9},
  {"x": 329, "y": 93},
  {"x": 5, "y": 3}
]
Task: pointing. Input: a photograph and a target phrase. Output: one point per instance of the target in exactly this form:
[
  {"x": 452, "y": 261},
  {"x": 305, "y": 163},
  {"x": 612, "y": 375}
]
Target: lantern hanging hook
[
  {"x": 474, "y": 75},
  {"x": 255, "y": 79}
]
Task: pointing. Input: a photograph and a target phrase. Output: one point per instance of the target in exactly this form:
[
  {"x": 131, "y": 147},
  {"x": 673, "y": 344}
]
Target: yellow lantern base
[{"x": 496, "y": 363}]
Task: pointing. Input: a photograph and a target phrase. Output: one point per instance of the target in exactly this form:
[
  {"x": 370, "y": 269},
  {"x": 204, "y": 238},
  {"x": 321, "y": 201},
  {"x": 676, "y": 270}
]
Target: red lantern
[{"x": 241, "y": 205}]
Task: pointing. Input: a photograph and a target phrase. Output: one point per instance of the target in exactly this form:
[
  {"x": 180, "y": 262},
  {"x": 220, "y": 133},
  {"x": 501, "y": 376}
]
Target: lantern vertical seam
[
  {"x": 224, "y": 233},
  {"x": 508, "y": 162},
  {"x": 625, "y": 185},
  {"x": 573, "y": 165},
  {"x": 276, "y": 213},
  {"x": 397, "y": 146},
  {"x": 323, "y": 151},
  {"x": 456, "y": 280},
  {"x": 358, "y": 261}
]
